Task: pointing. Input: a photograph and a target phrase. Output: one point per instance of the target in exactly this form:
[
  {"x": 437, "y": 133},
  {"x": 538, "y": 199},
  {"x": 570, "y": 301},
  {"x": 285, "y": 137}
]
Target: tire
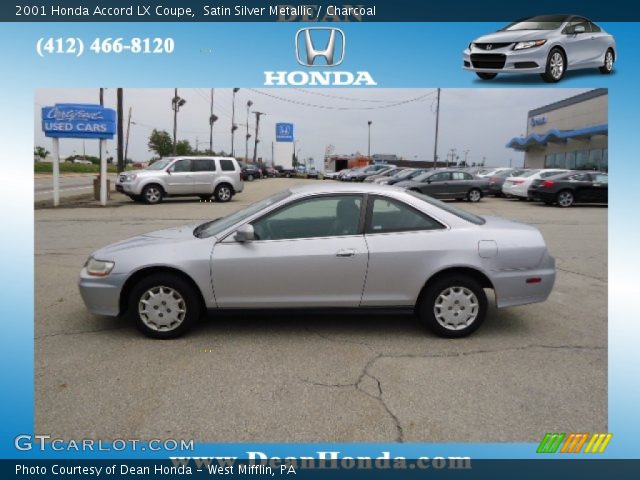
[
  {"x": 556, "y": 66},
  {"x": 486, "y": 76},
  {"x": 249, "y": 178},
  {"x": 474, "y": 195},
  {"x": 152, "y": 194},
  {"x": 565, "y": 198},
  {"x": 205, "y": 198},
  {"x": 439, "y": 312},
  {"x": 609, "y": 59},
  {"x": 223, "y": 193},
  {"x": 171, "y": 319}
]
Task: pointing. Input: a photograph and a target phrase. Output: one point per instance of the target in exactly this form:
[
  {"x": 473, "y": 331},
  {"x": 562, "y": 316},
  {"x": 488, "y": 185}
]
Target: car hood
[
  {"x": 512, "y": 37},
  {"x": 167, "y": 236}
]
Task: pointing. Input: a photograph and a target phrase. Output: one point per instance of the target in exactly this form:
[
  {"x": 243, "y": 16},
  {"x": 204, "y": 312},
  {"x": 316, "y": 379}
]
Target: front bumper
[
  {"x": 505, "y": 60},
  {"x": 101, "y": 295}
]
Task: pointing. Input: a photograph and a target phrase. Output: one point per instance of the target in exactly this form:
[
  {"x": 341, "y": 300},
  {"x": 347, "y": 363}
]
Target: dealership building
[{"x": 572, "y": 133}]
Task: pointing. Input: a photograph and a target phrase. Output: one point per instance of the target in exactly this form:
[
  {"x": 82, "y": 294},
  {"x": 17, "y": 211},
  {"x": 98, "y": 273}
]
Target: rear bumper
[{"x": 512, "y": 288}]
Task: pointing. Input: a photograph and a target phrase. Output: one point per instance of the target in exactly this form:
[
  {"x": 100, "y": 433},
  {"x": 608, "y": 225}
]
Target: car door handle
[{"x": 346, "y": 252}]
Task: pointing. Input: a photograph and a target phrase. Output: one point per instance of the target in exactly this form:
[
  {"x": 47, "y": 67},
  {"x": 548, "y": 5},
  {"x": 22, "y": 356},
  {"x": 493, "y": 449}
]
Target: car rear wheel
[
  {"x": 164, "y": 306},
  {"x": 453, "y": 306},
  {"x": 556, "y": 65},
  {"x": 486, "y": 76},
  {"x": 474, "y": 195},
  {"x": 152, "y": 194},
  {"x": 223, "y": 193},
  {"x": 565, "y": 198},
  {"x": 607, "y": 67}
]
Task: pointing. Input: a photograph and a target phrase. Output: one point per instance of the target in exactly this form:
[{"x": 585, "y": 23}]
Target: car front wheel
[
  {"x": 453, "y": 306},
  {"x": 556, "y": 66},
  {"x": 607, "y": 67},
  {"x": 152, "y": 194},
  {"x": 163, "y": 306}
]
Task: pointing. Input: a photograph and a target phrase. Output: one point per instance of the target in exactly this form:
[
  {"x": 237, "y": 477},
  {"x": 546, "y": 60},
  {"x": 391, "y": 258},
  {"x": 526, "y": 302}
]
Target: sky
[{"x": 477, "y": 121}]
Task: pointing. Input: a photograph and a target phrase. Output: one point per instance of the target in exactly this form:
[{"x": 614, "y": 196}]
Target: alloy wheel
[
  {"x": 557, "y": 65},
  {"x": 565, "y": 199}
]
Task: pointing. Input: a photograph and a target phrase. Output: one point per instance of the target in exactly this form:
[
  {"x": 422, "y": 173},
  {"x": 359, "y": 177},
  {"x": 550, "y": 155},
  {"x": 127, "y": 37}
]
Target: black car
[
  {"x": 249, "y": 172},
  {"x": 571, "y": 187},
  {"x": 448, "y": 184}
]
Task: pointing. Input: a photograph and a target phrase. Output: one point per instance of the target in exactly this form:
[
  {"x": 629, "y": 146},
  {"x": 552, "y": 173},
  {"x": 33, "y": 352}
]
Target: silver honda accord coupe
[
  {"x": 546, "y": 44},
  {"x": 326, "y": 246}
]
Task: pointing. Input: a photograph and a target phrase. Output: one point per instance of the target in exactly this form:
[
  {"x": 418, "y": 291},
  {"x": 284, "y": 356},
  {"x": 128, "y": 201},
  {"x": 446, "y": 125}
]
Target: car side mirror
[
  {"x": 245, "y": 233},
  {"x": 429, "y": 180},
  {"x": 578, "y": 29}
]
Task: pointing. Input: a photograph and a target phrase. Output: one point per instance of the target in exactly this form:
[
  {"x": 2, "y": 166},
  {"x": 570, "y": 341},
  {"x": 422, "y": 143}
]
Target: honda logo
[
  {"x": 489, "y": 46},
  {"x": 308, "y": 50}
]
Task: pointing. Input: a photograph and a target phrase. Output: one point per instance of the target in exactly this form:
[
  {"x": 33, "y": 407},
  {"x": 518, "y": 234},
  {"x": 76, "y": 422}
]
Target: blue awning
[{"x": 554, "y": 135}]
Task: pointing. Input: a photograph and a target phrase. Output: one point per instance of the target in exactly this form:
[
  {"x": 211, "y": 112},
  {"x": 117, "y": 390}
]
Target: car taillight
[{"x": 548, "y": 184}]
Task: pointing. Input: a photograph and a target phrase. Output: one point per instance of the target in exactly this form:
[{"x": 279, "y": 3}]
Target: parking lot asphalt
[{"x": 260, "y": 378}]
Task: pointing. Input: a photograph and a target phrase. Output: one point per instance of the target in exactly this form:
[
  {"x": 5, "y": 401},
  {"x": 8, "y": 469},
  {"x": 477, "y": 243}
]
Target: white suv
[{"x": 205, "y": 177}]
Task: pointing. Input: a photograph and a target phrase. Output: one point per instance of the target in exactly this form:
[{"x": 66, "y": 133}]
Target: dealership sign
[
  {"x": 284, "y": 132},
  {"x": 74, "y": 120}
]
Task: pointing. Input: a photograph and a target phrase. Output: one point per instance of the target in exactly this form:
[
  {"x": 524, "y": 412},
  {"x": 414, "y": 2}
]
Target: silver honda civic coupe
[
  {"x": 326, "y": 246},
  {"x": 546, "y": 44}
]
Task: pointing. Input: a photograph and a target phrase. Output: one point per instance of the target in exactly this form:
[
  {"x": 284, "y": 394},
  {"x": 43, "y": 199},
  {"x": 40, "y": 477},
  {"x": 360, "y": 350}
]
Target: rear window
[
  {"x": 469, "y": 217},
  {"x": 227, "y": 165}
]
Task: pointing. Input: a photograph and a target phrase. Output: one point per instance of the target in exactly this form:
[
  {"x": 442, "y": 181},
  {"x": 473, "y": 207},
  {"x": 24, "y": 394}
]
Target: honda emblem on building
[{"x": 312, "y": 44}]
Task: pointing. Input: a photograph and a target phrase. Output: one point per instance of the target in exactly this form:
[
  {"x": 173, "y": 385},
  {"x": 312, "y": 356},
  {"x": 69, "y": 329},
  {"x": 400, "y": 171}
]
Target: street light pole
[
  {"x": 256, "y": 140},
  {"x": 234, "y": 127},
  {"x": 369, "y": 141},
  {"x": 435, "y": 143},
  {"x": 248, "y": 135}
]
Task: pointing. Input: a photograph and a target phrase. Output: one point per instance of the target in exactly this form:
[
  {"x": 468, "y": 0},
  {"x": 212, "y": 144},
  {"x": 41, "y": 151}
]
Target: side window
[
  {"x": 601, "y": 178},
  {"x": 594, "y": 28},
  {"x": 581, "y": 177},
  {"x": 181, "y": 166},
  {"x": 549, "y": 174},
  {"x": 440, "y": 177},
  {"x": 393, "y": 216},
  {"x": 203, "y": 165},
  {"x": 227, "y": 165},
  {"x": 325, "y": 216},
  {"x": 461, "y": 176}
]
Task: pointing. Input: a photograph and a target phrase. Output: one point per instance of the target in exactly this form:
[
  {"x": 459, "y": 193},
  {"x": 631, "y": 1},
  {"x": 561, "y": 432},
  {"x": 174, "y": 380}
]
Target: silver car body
[
  {"x": 182, "y": 183},
  {"x": 497, "y": 53},
  {"x": 360, "y": 270}
]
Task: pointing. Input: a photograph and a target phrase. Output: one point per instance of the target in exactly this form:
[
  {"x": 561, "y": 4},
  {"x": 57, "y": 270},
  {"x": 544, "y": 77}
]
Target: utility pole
[
  {"x": 234, "y": 127},
  {"x": 120, "y": 132},
  {"x": 176, "y": 103},
  {"x": 369, "y": 141},
  {"x": 101, "y": 98},
  {"x": 466, "y": 153},
  {"x": 435, "y": 143},
  {"x": 272, "y": 156},
  {"x": 256, "y": 140},
  {"x": 126, "y": 143},
  {"x": 248, "y": 135},
  {"x": 212, "y": 120}
]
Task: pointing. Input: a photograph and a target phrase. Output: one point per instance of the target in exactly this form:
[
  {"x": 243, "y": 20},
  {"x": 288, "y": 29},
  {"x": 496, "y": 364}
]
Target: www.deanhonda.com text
[{"x": 323, "y": 459}]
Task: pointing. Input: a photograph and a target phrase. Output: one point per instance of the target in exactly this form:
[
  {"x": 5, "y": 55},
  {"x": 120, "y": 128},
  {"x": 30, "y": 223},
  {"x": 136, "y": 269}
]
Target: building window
[
  {"x": 604, "y": 164},
  {"x": 548, "y": 161},
  {"x": 582, "y": 159},
  {"x": 560, "y": 160},
  {"x": 571, "y": 160},
  {"x": 595, "y": 159}
]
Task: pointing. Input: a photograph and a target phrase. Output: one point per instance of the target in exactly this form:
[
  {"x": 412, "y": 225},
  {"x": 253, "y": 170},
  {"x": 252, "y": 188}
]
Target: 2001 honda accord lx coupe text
[
  {"x": 547, "y": 44},
  {"x": 324, "y": 246}
]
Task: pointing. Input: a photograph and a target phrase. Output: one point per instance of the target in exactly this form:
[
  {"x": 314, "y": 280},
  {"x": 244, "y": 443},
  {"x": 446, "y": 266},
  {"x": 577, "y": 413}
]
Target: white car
[
  {"x": 519, "y": 186},
  {"x": 492, "y": 172}
]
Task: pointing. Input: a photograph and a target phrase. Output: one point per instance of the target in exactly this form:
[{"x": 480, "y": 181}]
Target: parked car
[
  {"x": 497, "y": 178},
  {"x": 205, "y": 177},
  {"x": 284, "y": 172},
  {"x": 387, "y": 172},
  {"x": 493, "y": 171},
  {"x": 330, "y": 175},
  {"x": 270, "y": 172},
  {"x": 448, "y": 184},
  {"x": 400, "y": 173},
  {"x": 545, "y": 44},
  {"x": 359, "y": 174},
  {"x": 388, "y": 247},
  {"x": 250, "y": 172},
  {"x": 519, "y": 186},
  {"x": 571, "y": 187}
]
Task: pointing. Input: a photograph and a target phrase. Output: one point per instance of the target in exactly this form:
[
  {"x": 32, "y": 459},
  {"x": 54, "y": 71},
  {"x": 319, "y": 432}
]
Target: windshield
[
  {"x": 404, "y": 173},
  {"x": 421, "y": 177},
  {"x": 160, "y": 164},
  {"x": 214, "y": 227},
  {"x": 528, "y": 173},
  {"x": 543, "y": 22},
  {"x": 469, "y": 217}
]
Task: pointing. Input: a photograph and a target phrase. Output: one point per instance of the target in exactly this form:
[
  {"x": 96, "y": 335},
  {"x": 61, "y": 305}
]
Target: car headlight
[
  {"x": 470, "y": 46},
  {"x": 98, "y": 268},
  {"x": 529, "y": 44},
  {"x": 130, "y": 177}
]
